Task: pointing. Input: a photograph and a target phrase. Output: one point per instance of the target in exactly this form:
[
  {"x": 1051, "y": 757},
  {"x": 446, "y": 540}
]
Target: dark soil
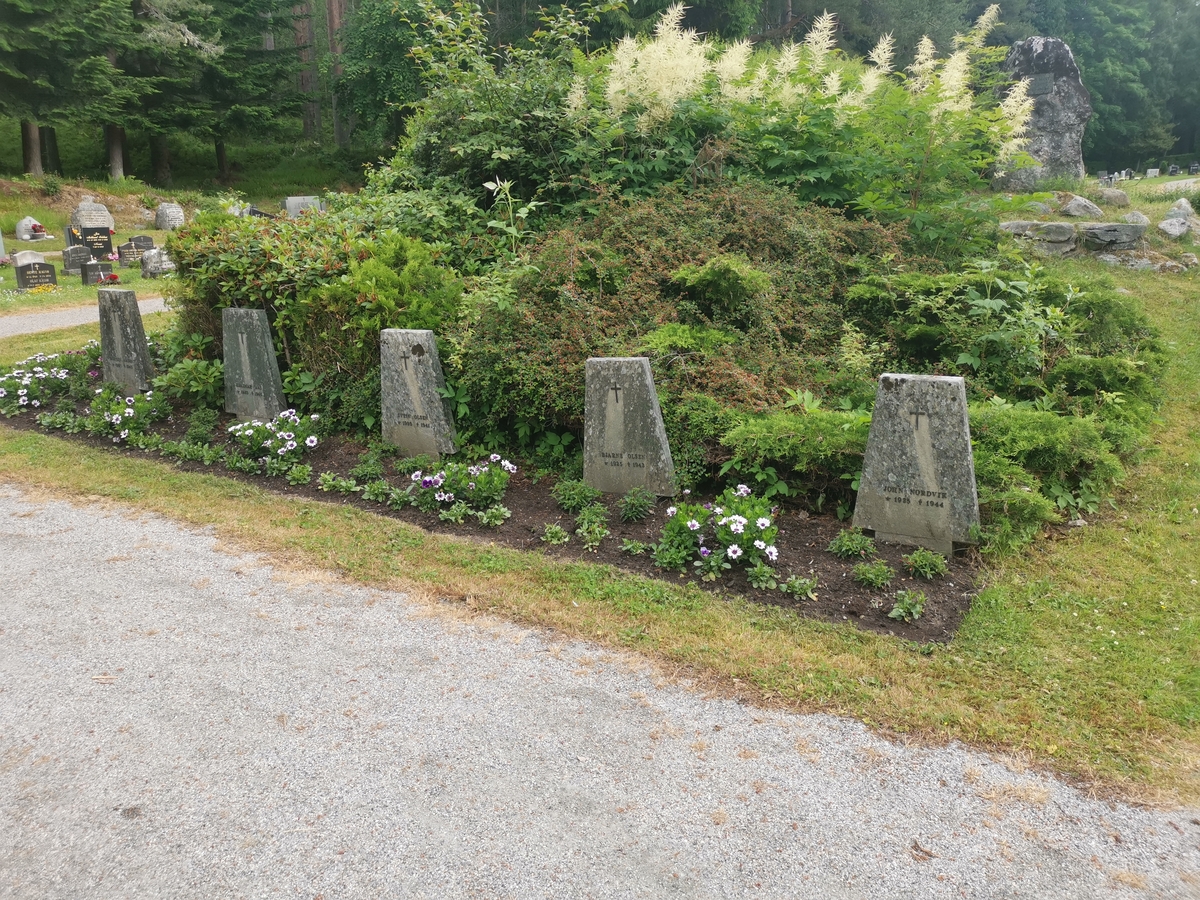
[{"x": 802, "y": 542}]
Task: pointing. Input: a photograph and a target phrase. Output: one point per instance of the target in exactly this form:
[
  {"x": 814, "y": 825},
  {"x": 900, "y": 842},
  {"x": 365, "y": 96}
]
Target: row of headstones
[
  {"x": 918, "y": 479},
  {"x": 1110, "y": 179},
  {"x": 32, "y": 270},
  {"x": 1193, "y": 169}
]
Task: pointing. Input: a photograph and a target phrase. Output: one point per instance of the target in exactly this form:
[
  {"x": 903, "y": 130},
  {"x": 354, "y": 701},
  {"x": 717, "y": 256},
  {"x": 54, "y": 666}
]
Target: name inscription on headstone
[
  {"x": 253, "y": 388},
  {"x": 416, "y": 417},
  {"x": 624, "y": 441},
  {"x": 918, "y": 478},
  {"x": 35, "y": 274},
  {"x": 98, "y": 240}
]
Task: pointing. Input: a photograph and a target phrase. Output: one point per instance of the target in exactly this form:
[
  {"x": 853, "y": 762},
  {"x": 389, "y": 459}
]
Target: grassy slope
[{"x": 1081, "y": 655}]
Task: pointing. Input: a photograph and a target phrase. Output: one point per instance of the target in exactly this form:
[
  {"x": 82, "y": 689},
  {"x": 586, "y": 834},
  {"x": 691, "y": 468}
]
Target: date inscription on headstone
[
  {"x": 918, "y": 478},
  {"x": 416, "y": 417}
]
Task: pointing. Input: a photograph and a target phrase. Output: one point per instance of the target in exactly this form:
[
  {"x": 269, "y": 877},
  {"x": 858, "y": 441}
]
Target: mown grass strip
[
  {"x": 22, "y": 346},
  {"x": 1022, "y": 675}
]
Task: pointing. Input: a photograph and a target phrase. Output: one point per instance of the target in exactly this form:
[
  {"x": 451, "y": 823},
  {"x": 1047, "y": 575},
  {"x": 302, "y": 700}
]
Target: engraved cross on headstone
[
  {"x": 916, "y": 416},
  {"x": 616, "y": 389},
  {"x": 404, "y": 357}
]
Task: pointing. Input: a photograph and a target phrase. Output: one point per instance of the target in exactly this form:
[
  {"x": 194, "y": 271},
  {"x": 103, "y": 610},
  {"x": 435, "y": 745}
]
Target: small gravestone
[
  {"x": 155, "y": 262},
  {"x": 1194, "y": 169},
  {"x": 416, "y": 418},
  {"x": 98, "y": 240},
  {"x": 1173, "y": 170},
  {"x": 123, "y": 341},
  {"x": 918, "y": 477},
  {"x": 30, "y": 229},
  {"x": 129, "y": 254},
  {"x": 35, "y": 274},
  {"x": 1128, "y": 174},
  {"x": 297, "y": 205},
  {"x": 257, "y": 213},
  {"x": 89, "y": 214},
  {"x": 2, "y": 253},
  {"x": 73, "y": 259},
  {"x": 94, "y": 271},
  {"x": 253, "y": 388},
  {"x": 24, "y": 257},
  {"x": 1103, "y": 174},
  {"x": 168, "y": 216},
  {"x": 1152, "y": 173},
  {"x": 142, "y": 241},
  {"x": 624, "y": 441}
]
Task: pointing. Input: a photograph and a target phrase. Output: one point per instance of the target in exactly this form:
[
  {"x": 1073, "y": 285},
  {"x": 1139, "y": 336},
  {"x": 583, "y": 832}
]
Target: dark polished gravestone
[
  {"x": 416, "y": 417},
  {"x": 624, "y": 441},
  {"x": 35, "y": 274},
  {"x": 123, "y": 341},
  {"x": 253, "y": 388},
  {"x": 98, "y": 240},
  {"x": 130, "y": 254},
  {"x": 93, "y": 271},
  {"x": 74, "y": 258},
  {"x": 142, "y": 241},
  {"x": 918, "y": 477}
]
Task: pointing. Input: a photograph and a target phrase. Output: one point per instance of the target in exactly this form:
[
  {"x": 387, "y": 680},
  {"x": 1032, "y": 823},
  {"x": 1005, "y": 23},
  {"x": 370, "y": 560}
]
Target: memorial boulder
[
  {"x": 918, "y": 477},
  {"x": 89, "y": 214},
  {"x": 168, "y": 216}
]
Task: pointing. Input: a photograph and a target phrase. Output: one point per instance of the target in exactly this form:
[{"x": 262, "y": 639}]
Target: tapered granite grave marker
[
  {"x": 624, "y": 441},
  {"x": 253, "y": 388},
  {"x": 73, "y": 259},
  {"x": 918, "y": 478},
  {"x": 416, "y": 418},
  {"x": 35, "y": 274},
  {"x": 123, "y": 341}
]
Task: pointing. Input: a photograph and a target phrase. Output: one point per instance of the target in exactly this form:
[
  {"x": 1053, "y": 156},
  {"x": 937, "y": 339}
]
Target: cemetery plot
[{"x": 35, "y": 274}]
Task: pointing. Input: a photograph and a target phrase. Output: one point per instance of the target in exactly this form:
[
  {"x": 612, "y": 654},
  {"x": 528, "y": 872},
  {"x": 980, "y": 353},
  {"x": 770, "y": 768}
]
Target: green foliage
[
  {"x": 335, "y": 483},
  {"x": 723, "y": 290},
  {"x": 635, "y": 548},
  {"x": 201, "y": 425},
  {"x": 200, "y": 382},
  {"x": 555, "y": 534},
  {"x": 925, "y": 563},
  {"x": 299, "y": 474},
  {"x": 572, "y": 496},
  {"x": 851, "y": 543},
  {"x": 909, "y": 606},
  {"x": 379, "y": 77},
  {"x": 679, "y": 338},
  {"x": 761, "y": 576},
  {"x": 800, "y": 587},
  {"x": 591, "y": 526},
  {"x": 875, "y": 574},
  {"x": 493, "y": 516},
  {"x": 636, "y": 504}
]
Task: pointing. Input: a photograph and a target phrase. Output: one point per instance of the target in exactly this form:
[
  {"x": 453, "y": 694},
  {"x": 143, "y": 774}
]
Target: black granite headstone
[
  {"x": 73, "y": 258},
  {"x": 94, "y": 271},
  {"x": 35, "y": 274},
  {"x": 142, "y": 241},
  {"x": 130, "y": 254},
  {"x": 98, "y": 240}
]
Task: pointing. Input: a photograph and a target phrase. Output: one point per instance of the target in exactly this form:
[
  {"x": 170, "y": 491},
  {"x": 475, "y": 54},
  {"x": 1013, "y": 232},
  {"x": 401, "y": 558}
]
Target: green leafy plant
[
  {"x": 279, "y": 443},
  {"x": 925, "y": 563},
  {"x": 800, "y": 587},
  {"x": 479, "y": 486},
  {"x": 335, "y": 483},
  {"x": 200, "y": 382},
  {"x": 299, "y": 474},
  {"x": 636, "y": 504},
  {"x": 455, "y": 513},
  {"x": 909, "y": 606},
  {"x": 877, "y": 574},
  {"x": 635, "y": 548},
  {"x": 201, "y": 424},
  {"x": 591, "y": 526},
  {"x": 493, "y": 516},
  {"x": 851, "y": 543},
  {"x": 762, "y": 577},
  {"x": 573, "y": 496},
  {"x": 377, "y": 491},
  {"x": 555, "y": 534}
]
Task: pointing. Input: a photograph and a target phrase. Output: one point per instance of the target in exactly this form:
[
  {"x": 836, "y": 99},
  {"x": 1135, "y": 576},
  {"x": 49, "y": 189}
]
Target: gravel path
[
  {"x": 177, "y": 721},
  {"x": 32, "y": 323}
]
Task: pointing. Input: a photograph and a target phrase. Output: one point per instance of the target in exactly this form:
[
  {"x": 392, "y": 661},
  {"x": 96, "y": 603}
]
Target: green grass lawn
[{"x": 71, "y": 290}]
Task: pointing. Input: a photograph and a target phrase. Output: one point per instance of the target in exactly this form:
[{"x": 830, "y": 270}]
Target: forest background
[{"x": 189, "y": 94}]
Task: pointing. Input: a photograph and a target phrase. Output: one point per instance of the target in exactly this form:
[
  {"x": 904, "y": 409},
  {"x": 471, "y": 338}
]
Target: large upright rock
[
  {"x": 90, "y": 214},
  {"x": 1062, "y": 107}
]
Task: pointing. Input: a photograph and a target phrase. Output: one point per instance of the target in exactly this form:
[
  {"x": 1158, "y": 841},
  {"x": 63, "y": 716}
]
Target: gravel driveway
[{"x": 178, "y": 721}]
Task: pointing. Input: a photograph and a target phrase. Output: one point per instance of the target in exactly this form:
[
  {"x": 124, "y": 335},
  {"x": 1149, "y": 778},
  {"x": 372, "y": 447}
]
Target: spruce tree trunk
[
  {"x": 114, "y": 136},
  {"x": 50, "y": 158},
  {"x": 302, "y": 27},
  {"x": 222, "y": 160},
  {"x": 31, "y": 148},
  {"x": 160, "y": 159},
  {"x": 335, "y": 18}
]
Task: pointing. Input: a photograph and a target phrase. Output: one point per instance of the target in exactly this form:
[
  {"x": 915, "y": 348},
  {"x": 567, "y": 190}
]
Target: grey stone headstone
[
  {"x": 918, "y": 478},
  {"x": 142, "y": 241},
  {"x": 25, "y": 232},
  {"x": 93, "y": 270},
  {"x": 155, "y": 262},
  {"x": 296, "y": 205},
  {"x": 90, "y": 214},
  {"x": 1152, "y": 173},
  {"x": 1173, "y": 170},
  {"x": 2, "y": 251},
  {"x": 416, "y": 418},
  {"x": 1194, "y": 169},
  {"x": 168, "y": 216},
  {"x": 624, "y": 441},
  {"x": 1103, "y": 174},
  {"x": 73, "y": 259},
  {"x": 253, "y": 388},
  {"x": 123, "y": 341},
  {"x": 35, "y": 274},
  {"x": 24, "y": 257}
]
